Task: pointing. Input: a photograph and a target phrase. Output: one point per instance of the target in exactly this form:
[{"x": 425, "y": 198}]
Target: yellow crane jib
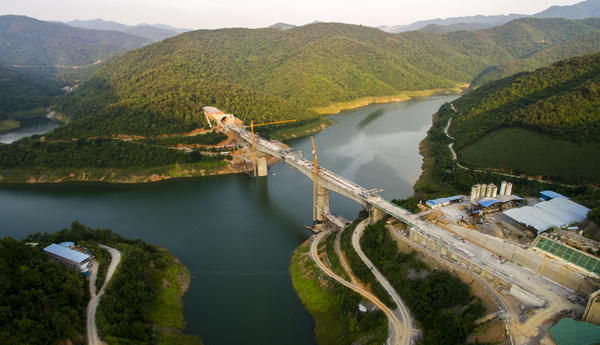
[
  {"x": 268, "y": 123},
  {"x": 252, "y": 125}
]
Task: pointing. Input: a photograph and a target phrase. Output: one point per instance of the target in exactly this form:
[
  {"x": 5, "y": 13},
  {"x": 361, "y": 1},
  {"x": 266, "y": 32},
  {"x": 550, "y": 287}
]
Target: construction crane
[
  {"x": 252, "y": 125},
  {"x": 315, "y": 155},
  {"x": 269, "y": 123}
]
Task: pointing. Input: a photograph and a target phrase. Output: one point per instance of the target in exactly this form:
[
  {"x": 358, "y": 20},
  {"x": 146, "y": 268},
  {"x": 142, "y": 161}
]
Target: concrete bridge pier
[
  {"x": 262, "y": 163},
  {"x": 322, "y": 203},
  {"x": 375, "y": 214}
]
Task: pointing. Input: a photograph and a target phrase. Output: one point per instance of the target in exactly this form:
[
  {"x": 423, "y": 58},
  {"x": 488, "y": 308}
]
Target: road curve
[
  {"x": 406, "y": 333},
  {"x": 395, "y": 325},
  {"x": 92, "y": 330}
]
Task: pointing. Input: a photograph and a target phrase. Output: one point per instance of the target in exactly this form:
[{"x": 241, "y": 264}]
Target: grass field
[
  {"x": 7, "y": 125},
  {"x": 519, "y": 151}
]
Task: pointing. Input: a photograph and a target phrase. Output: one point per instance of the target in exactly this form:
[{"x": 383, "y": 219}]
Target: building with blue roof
[
  {"x": 435, "y": 203},
  {"x": 549, "y": 195},
  {"x": 69, "y": 257}
]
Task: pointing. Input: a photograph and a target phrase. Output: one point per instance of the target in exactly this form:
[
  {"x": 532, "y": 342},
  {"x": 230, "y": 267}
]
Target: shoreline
[
  {"x": 338, "y": 107},
  {"x": 156, "y": 174}
]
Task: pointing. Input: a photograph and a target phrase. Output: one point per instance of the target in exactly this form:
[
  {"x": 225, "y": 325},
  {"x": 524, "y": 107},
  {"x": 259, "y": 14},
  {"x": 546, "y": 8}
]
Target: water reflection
[{"x": 29, "y": 127}]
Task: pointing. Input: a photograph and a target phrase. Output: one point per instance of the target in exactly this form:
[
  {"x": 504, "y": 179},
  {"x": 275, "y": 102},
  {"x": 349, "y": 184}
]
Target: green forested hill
[
  {"x": 561, "y": 101},
  {"x": 269, "y": 74},
  {"x": 586, "y": 43},
  {"x": 20, "y": 92},
  {"x": 543, "y": 125},
  {"x": 30, "y": 42}
]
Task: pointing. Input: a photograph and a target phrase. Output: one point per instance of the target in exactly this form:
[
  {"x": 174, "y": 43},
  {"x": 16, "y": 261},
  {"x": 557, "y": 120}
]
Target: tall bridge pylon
[{"x": 324, "y": 180}]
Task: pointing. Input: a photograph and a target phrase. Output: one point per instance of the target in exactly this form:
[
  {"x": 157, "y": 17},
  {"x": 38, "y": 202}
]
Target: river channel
[{"x": 235, "y": 233}]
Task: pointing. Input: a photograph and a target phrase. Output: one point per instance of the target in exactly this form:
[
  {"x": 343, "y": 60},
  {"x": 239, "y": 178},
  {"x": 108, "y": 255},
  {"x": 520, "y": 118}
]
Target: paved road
[
  {"x": 92, "y": 330},
  {"x": 407, "y": 331},
  {"x": 395, "y": 326}
]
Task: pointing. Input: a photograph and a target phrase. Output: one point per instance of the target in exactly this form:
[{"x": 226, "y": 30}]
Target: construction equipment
[
  {"x": 252, "y": 125},
  {"x": 269, "y": 123},
  {"x": 314, "y": 180}
]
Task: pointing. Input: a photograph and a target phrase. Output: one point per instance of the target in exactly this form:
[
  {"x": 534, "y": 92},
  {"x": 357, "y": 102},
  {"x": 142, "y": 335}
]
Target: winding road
[
  {"x": 396, "y": 328},
  {"x": 92, "y": 330},
  {"x": 407, "y": 331}
]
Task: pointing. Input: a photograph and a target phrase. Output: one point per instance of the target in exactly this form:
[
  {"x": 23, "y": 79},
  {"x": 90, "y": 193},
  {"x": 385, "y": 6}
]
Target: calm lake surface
[
  {"x": 235, "y": 233},
  {"x": 29, "y": 126}
]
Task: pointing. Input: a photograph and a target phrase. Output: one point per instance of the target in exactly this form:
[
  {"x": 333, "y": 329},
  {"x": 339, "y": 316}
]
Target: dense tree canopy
[
  {"x": 41, "y": 301},
  {"x": 561, "y": 101}
]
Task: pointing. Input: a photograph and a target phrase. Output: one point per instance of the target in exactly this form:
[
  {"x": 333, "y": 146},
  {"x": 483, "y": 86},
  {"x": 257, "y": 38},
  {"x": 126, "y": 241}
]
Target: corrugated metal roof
[
  {"x": 67, "y": 253},
  {"x": 572, "y": 206},
  {"x": 565, "y": 215},
  {"x": 551, "y": 194},
  {"x": 444, "y": 200},
  {"x": 554, "y": 213},
  {"x": 487, "y": 202},
  {"x": 66, "y": 244},
  {"x": 569, "y": 331}
]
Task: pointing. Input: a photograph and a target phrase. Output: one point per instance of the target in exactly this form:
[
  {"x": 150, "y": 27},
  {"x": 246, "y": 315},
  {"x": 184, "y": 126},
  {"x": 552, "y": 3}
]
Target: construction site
[
  {"x": 536, "y": 276},
  {"x": 524, "y": 254}
]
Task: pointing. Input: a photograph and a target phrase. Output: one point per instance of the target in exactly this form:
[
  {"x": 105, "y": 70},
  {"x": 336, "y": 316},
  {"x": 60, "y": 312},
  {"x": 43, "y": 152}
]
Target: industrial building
[
  {"x": 548, "y": 195},
  {"x": 436, "y": 203},
  {"x": 487, "y": 199},
  {"x": 556, "y": 213},
  {"x": 69, "y": 257}
]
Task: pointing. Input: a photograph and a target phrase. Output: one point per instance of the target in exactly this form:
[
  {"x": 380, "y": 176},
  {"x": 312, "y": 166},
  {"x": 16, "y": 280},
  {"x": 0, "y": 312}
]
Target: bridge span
[{"x": 326, "y": 180}]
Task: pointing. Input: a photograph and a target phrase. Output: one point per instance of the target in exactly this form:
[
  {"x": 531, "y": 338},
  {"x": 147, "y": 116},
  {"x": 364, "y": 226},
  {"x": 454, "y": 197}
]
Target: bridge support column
[
  {"x": 262, "y": 163},
  {"x": 322, "y": 202},
  {"x": 375, "y": 214}
]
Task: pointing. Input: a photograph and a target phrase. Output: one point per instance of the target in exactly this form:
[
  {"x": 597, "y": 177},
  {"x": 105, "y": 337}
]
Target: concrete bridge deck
[{"x": 326, "y": 179}]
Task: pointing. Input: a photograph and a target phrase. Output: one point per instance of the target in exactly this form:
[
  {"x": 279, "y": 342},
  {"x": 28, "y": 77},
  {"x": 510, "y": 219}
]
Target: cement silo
[
  {"x": 509, "y": 188},
  {"x": 488, "y": 190},
  {"x": 503, "y": 188},
  {"x": 475, "y": 191},
  {"x": 494, "y": 190},
  {"x": 483, "y": 190}
]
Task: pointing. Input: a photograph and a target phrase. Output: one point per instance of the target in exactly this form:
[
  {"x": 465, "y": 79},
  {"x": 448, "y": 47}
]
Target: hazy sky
[{"x": 211, "y": 14}]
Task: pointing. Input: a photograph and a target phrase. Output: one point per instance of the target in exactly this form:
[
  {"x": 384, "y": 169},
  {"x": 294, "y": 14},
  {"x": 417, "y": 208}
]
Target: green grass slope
[{"x": 518, "y": 151}]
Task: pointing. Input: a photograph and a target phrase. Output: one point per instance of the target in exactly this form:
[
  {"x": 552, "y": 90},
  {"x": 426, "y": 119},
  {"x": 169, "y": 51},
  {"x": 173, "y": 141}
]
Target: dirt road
[
  {"x": 395, "y": 324},
  {"x": 406, "y": 332},
  {"x": 92, "y": 330}
]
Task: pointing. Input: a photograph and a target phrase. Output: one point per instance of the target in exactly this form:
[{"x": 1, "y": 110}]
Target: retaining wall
[{"x": 553, "y": 269}]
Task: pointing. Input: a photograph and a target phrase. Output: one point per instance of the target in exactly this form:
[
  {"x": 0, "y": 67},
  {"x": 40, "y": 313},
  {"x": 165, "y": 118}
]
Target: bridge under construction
[
  {"x": 551, "y": 295},
  {"x": 324, "y": 179}
]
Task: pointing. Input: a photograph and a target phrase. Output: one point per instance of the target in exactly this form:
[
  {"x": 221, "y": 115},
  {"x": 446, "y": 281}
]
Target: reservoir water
[
  {"x": 29, "y": 126},
  {"x": 235, "y": 233}
]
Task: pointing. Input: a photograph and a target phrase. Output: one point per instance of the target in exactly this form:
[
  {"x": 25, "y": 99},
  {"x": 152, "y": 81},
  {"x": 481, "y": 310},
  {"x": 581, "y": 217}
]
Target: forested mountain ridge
[
  {"x": 153, "y": 32},
  {"x": 584, "y": 9},
  {"x": 30, "y": 42},
  {"x": 268, "y": 74}
]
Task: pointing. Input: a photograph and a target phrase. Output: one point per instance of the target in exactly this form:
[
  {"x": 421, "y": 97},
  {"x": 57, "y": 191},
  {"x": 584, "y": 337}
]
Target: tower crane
[{"x": 252, "y": 125}]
